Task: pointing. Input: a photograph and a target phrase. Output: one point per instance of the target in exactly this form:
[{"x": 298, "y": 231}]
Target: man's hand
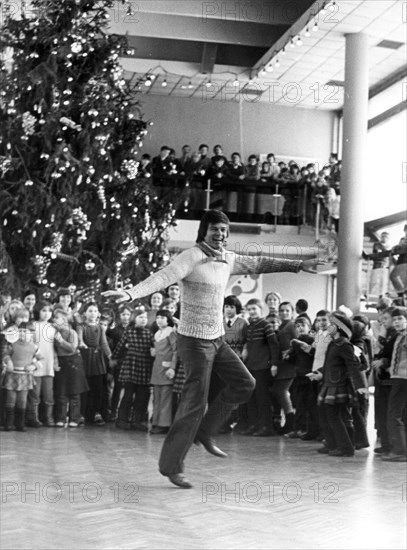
[
  {"x": 120, "y": 295},
  {"x": 310, "y": 266}
]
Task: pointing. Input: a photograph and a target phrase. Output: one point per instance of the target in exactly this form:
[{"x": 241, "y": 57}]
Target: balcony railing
[{"x": 272, "y": 202}]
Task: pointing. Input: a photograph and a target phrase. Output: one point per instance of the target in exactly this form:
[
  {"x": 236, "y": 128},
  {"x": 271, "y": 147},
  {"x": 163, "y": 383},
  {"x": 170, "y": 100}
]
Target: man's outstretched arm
[
  {"x": 179, "y": 268},
  {"x": 263, "y": 263}
]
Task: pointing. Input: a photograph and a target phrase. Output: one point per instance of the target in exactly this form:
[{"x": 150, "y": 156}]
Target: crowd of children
[{"x": 65, "y": 367}]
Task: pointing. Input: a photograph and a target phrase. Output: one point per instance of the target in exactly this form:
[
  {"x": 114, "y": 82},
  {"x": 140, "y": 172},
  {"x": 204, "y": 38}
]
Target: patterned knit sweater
[{"x": 202, "y": 274}]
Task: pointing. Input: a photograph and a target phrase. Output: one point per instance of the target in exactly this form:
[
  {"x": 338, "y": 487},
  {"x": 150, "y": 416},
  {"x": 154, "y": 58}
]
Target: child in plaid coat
[{"x": 135, "y": 373}]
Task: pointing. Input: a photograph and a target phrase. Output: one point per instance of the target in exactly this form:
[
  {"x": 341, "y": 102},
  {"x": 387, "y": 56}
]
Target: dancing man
[{"x": 202, "y": 273}]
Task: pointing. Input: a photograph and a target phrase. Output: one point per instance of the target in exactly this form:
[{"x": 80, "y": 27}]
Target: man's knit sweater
[{"x": 202, "y": 274}]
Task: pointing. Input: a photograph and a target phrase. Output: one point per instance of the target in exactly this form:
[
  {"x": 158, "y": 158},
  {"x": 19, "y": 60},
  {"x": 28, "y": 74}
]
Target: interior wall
[{"x": 246, "y": 127}]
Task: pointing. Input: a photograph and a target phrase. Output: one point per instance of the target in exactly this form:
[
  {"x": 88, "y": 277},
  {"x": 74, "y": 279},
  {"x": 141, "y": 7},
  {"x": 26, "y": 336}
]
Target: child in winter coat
[
  {"x": 165, "y": 362},
  {"x": 340, "y": 378}
]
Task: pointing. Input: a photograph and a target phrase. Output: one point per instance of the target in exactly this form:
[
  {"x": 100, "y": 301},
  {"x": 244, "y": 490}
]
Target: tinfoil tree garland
[{"x": 73, "y": 207}]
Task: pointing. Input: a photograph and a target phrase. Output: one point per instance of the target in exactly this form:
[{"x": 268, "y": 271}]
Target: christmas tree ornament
[{"x": 70, "y": 123}]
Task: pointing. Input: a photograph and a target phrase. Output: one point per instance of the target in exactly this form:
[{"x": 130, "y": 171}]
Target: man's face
[
  {"x": 186, "y": 150},
  {"x": 164, "y": 153},
  {"x": 216, "y": 235},
  {"x": 203, "y": 151}
]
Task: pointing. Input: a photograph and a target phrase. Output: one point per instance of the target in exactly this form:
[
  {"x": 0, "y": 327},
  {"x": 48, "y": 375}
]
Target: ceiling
[{"x": 210, "y": 50}]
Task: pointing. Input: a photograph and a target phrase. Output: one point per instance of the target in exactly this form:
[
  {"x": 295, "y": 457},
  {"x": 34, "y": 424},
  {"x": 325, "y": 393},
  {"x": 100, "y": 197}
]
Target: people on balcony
[
  {"x": 252, "y": 191},
  {"x": 161, "y": 164},
  {"x": 185, "y": 157},
  {"x": 206, "y": 162},
  {"x": 398, "y": 274}
]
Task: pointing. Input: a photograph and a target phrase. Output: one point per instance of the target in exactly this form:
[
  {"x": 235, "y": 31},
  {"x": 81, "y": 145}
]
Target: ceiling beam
[
  {"x": 208, "y": 57},
  {"x": 387, "y": 82},
  {"x": 193, "y": 28},
  {"x": 267, "y": 12}
]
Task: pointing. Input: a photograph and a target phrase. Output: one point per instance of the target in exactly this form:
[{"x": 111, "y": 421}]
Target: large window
[{"x": 386, "y": 191}]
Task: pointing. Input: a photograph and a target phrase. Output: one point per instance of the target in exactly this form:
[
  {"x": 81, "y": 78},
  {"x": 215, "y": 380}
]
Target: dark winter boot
[
  {"x": 9, "y": 424},
  {"x": 20, "y": 420},
  {"x": 32, "y": 418},
  {"x": 289, "y": 424},
  {"x": 49, "y": 416}
]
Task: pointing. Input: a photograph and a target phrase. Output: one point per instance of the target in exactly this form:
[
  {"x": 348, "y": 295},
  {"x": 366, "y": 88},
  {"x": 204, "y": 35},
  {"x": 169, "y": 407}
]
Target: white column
[{"x": 353, "y": 188}]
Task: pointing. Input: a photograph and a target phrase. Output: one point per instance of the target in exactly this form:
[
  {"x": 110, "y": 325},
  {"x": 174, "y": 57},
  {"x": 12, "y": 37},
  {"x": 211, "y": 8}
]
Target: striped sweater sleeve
[
  {"x": 246, "y": 265},
  {"x": 179, "y": 268}
]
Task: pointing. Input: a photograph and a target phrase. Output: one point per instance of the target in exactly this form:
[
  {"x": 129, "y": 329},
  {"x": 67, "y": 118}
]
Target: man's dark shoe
[
  {"x": 211, "y": 447},
  {"x": 180, "y": 481}
]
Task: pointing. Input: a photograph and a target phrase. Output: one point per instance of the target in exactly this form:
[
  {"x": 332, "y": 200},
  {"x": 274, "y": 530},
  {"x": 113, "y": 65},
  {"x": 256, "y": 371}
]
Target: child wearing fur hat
[
  {"x": 165, "y": 362},
  {"x": 361, "y": 409},
  {"x": 340, "y": 378},
  {"x": 135, "y": 372}
]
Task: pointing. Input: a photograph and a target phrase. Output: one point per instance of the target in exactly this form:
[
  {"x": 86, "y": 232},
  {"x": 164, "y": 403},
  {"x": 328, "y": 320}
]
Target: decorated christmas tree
[{"x": 74, "y": 209}]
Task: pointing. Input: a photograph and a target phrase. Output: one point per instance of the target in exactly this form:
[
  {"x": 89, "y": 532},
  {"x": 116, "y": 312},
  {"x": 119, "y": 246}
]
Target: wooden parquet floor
[{"x": 99, "y": 488}]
